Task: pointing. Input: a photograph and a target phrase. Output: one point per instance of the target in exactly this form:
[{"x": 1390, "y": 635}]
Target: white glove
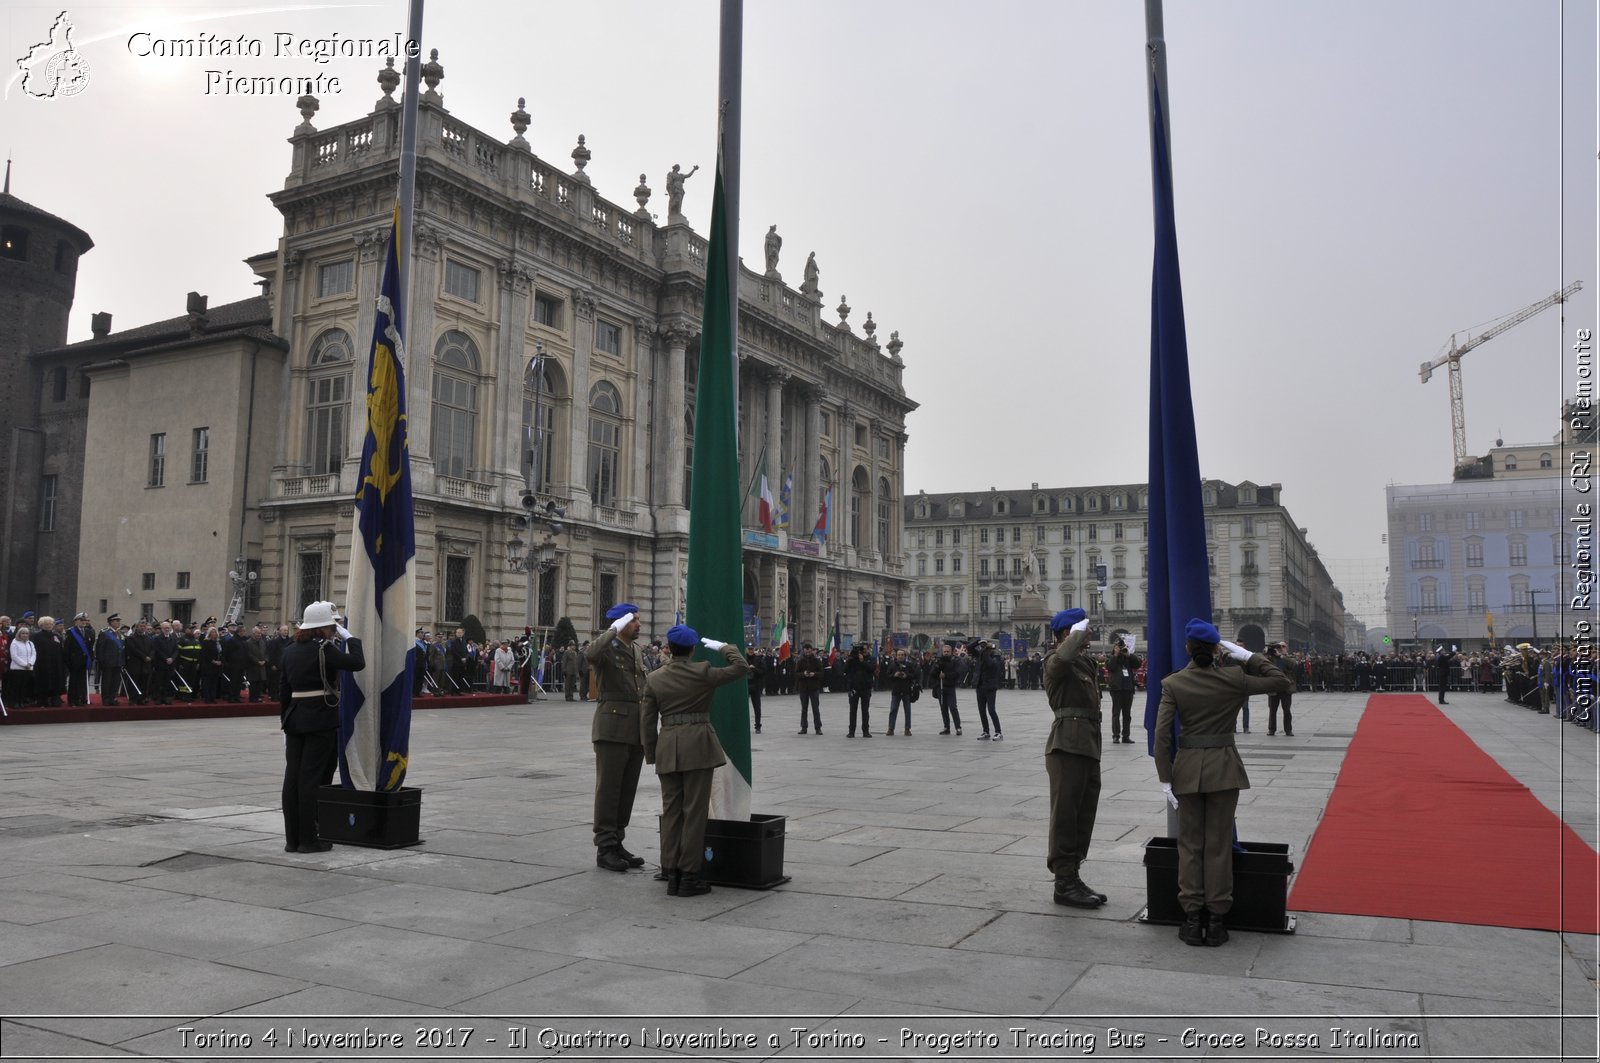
[
  {"x": 1438, "y": 649},
  {"x": 1082, "y": 625},
  {"x": 1172, "y": 799},
  {"x": 342, "y": 631},
  {"x": 712, "y": 644},
  {"x": 1234, "y": 650},
  {"x": 622, "y": 621}
]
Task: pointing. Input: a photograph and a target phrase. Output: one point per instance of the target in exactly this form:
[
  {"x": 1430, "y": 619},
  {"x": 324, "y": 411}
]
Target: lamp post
[
  {"x": 242, "y": 580},
  {"x": 1533, "y": 608},
  {"x": 542, "y": 556}
]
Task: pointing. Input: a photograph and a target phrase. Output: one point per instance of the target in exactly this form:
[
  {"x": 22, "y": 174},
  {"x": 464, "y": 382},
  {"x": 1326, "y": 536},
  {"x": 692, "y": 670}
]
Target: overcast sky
[{"x": 1354, "y": 182}]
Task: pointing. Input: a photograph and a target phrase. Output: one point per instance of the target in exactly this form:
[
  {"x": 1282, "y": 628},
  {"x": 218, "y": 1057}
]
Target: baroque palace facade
[
  {"x": 977, "y": 556},
  {"x": 513, "y": 255}
]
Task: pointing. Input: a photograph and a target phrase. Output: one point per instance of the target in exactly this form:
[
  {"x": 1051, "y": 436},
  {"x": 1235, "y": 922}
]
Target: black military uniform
[
  {"x": 79, "y": 645},
  {"x": 308, "y": 700},
  {"x": 140, "y": 651},
  {"x": 109, "y": 660}
]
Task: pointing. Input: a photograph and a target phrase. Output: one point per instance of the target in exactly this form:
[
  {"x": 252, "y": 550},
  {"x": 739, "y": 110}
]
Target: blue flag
[
  {"x": 1180, "y": 580},
  {"x": 785, "y": 495},
  {"x": 375, "y": 703}
]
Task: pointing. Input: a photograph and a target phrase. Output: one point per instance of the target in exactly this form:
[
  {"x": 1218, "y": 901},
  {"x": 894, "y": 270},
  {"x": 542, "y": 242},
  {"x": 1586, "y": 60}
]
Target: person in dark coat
[
  {"x": 1444, "y": 661},
  {"x": 50, "y": 674},
  {"x": 235, "y": 663},
  {"x": 808, "y": 679},
  {"x": 947, "y": 679},
  {"x": 211, "y": 665},
  {"x": 860, "y": 675},
  {"x": 308, "y": 708},
  {"x": 1121, "y": 670},
  {"x": 460, "y": 660},
  {"x": 255, "y": 669},
  {"x": 760, "y": 663},
  {"x": 110, "y": 660},
  {"x": 164, "y": 678},
  {"x": 987, "y": 677},
  {"x": 140, "y": 650},
  {"x": 1203, "y": 775},
  {"x": 902, "y": 684},
  {"x": 79, "y": 646}
]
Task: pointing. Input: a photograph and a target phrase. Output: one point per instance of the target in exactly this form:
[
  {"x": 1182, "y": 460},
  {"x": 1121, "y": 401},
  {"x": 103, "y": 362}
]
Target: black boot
[
  {"x": 611, "y": 859},
  {"x": 633, "y": 861},
  {"x": 1216, "y": 929},
  {"x": 1071, "y": 891},
  {"x": 662, "y": 874},
  {"x": 691, "y": 886},
  {"x": 674, "y": 883},
  {"x": 1193, "y": 930},
  {"x": 1096, "y": 893}
]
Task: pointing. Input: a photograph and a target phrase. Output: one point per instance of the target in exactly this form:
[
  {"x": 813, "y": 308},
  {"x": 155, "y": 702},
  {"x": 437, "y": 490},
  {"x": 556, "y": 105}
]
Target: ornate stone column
[
  {"x": 775, "y": 382},
  {"x": 420, "y": 337},
  {"x": 582, "y": 348},
  {"x": 671, "y": 421},
  {"x": 808, "y": 487},
  {"x": 505, "y": 428},
  {"x": 644, "y": 341}
]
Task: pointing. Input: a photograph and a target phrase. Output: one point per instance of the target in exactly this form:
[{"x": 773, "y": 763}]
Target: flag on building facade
[
  {"x": 785, "y": 495},
  {"x": 375, "y": 703},
  {"x": 833, "y": 643},
  {"x": 766, "y": 508},
  {"x": 780, "y": 638},
  {"x": 824, "y": 526},
  {"x": 1180, "y": 579},
  {"x": 714, "y": 602}
]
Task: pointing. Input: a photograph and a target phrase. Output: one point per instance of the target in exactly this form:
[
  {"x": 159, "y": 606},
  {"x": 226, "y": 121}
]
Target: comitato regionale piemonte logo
[{"x": 53, "y": 68}]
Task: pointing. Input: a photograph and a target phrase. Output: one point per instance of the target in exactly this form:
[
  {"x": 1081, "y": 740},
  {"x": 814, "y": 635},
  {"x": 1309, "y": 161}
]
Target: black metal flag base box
[
  {"x": 378, "y": 820},
  {"x": 745, "y": 854},
  {"x": 1260, "y": 886}
]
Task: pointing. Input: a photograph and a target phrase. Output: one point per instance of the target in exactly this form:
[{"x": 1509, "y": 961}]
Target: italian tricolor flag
[{"x": 780, "y": 639}]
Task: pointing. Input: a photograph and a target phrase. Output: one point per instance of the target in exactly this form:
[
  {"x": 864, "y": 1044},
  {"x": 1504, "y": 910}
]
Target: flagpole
[
  {"x": 1156, "y": 81},
  {"x": 408, "y": 151},
  {"x": 730, "y": 89}
]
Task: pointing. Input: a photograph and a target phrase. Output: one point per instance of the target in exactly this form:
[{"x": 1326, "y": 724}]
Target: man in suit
[
  {"x": 141, "y": 656},
  {"x": 618, "y": 747},
  {"x": 1445, "y": 661},
  {"x": 859, "y": 674},
  {"x": 109, "y": 660},
  {"x": 1203, "y": 776},
  {"x": 947, "y": 677},
  {"x": 79, "y": 645},
  {"x": 1072, "y": 756},
  {"x": 163, "y": 681},
  {"x": 686, "y": 753},
  {"x": 460, "y": 657}
]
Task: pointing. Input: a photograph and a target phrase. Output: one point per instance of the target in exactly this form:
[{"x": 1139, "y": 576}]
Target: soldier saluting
[{"x": 618, "y": 750}]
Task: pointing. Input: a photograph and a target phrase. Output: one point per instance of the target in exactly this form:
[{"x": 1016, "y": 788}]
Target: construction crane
[{"x": 1458, "y": 420}]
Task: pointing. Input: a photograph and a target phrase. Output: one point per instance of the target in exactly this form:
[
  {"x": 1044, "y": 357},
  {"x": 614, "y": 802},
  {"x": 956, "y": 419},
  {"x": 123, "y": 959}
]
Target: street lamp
[{"x": 242, "y": 580}]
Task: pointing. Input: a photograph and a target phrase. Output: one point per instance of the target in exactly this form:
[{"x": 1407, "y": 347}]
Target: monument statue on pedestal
[
  {"x": 675, "y": 181},
  {"x": 773, "y": 246}
]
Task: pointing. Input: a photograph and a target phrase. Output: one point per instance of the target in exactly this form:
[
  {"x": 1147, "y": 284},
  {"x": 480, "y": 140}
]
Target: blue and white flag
[
  {"x": 784, "y": 497},
  {"x": 375, "y": 703}
]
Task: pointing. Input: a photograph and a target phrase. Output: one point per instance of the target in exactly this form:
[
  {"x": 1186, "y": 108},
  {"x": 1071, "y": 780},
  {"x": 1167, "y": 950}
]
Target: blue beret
[
  {"x": 1200, "y": 631},
  {"x": 682, "y": 635},
  {"x": 1066, "y": 618},
  {"x": 620, "y": 610}
]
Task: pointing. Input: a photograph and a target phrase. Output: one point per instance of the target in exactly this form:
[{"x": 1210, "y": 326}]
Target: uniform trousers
[
  {"x": 309, "y": 760},
  {"x": 110, "y": 684},
  {"x": 685, "y": 805},
  {"x": 1074, "y": 801},
  {"x": 616, "y": 781},
  {"x": 863, "y": 697},
  {"x": 1273, "y": 701},
  {"x": 947, "y": 707},
  {"x": 755, "y": 704},
  {"x": 77, "y": 686},
  {"x": 1205, "y": 850},
  {"x": 1121, "y": 712},
  {"x": 138, "y": 686}
]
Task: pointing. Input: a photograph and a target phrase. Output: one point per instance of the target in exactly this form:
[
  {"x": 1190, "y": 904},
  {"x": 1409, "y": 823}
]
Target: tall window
[
  {"x": 540, "y": 444},
  {"x": 336, "y": 278},
  {"x": 1545, "y": 461},
  {"x": 1119, "y": 601},
  {"x": 1519, "y": 552},
  {"x": 1511, "y": 463},
  {"x": 938, "y": 566},
  {"x": 860, "y": 498},
  {"x": 885, "y": 507},
  {"x": 955, "y": 601},
  {"x": 547, "y": 598},
  {"x": 455, "y": 406},
  {"x": 48, "y": 486},
  {"x": 310, "y": 580},
  {"x": 200, "y": 457},
  {"x": 1474, "y": 520},
  {"x": 608, "y": 338},
  {"x": 605, "y": 442},
  {"x": 955, "y": 563},
  {"x": 1475, "y": 598},
  {"x": 1430, "y": 596},
  {"x": 922, "y": 601},
  {"x": 983, "y": 605},
  {"x": 1517, "y": 517},
  {"x": 461, "y": 281},
  {"x": 183, "y": 581},
  {"x": 547, "y": 310},
  {"x": 983, "y": 536},
  {"x": 608, "y": 589},
  {"x": 922, "y": 566},
  {"x": 328, "y": 401},
  {"x": 455, "y": 587},
  {"x": 688, "y": 452},
  {"x": 158, "y": 460},
  {"x": 1425, "y": 521},
  {"x": 983, "y": 567}
]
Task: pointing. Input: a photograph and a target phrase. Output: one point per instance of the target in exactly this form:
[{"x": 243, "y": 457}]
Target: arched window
[
  {"x": 885, "y": 507},
  {"x": 1511, "y": 463},
  {"x": 455, "y": 404},
  {"x": 1545, "y": 461},
  {"x": 605, "y": 442},
  {"x": 544, "y": 395},
  {"x": 328, "y": 401},
  {"x": 860, "y": 497}
]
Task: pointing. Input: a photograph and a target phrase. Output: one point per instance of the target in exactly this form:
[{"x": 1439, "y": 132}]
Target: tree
[
  {"x": 473, "y": 627},
  {"x": 564, "y": 634}
]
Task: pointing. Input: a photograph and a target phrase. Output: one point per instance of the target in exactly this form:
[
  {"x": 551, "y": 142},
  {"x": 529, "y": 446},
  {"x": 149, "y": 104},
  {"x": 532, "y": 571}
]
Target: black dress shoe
[
  {"x": 314, "y": 847},
  {"x": 1073, "y": 893},
  {"x": 674, "y": 883},
  {"x": 610, "y": 860},
  {"x": 945, "y": 731},
  {"x": 691, "y": 886},
  {"x": 633, "y": 861},
  {"x": 662, "y": 874},
  {"x": 291, "y": 847},
  {"x": 1216, "y": 929},
  {"x": 1193, "y": 930}
]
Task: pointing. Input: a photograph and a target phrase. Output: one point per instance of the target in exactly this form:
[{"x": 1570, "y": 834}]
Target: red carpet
[
  {"x": 212, "y": 710},
  {"x": 1423, "y": 824}
]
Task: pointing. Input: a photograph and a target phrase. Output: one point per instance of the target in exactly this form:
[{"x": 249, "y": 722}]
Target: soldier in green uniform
[
  {"x": 1203, "y": 780},
  {"x": 687, "y": 752},
  {"x": 618, "y": 752},
  {"x": 1072, "y": 756}
]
